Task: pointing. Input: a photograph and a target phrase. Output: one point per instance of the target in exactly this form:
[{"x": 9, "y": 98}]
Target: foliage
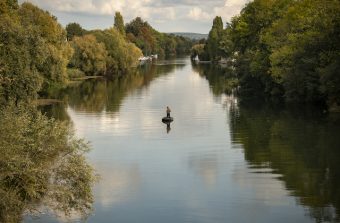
[
  {"x": 119, "y": 23},
  {"x": 41, "y": 163},
  {"x": 151, "y": 41},
  {"x": 199, "y": 50},
  {"x": 122, "y": 55},
  {"x": 214, "y": 39},
  {"x": 89, "y": 55},
  {"x": 33, "y": 52},
  {"x": 6, "y": 6},
  {"x": 74, "y": 29},
  {"x": 75, "y": 73},
  {"x": 283, "y": 49},
  {"x": 305, "y": 62}
]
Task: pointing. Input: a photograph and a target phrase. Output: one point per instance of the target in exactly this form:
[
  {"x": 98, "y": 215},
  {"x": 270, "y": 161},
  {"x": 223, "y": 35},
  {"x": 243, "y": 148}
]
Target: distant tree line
[
  {"x": 281, "y": 50},
  {"x": 38, "y": 55},
  {"x": 151, "y": 41}
]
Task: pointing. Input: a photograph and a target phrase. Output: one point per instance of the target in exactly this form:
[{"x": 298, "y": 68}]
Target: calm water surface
[{"x": 217, "y": 162}]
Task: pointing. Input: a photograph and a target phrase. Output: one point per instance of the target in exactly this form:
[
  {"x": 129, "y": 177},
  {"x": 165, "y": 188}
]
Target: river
[{"x": 218, "y": 161}]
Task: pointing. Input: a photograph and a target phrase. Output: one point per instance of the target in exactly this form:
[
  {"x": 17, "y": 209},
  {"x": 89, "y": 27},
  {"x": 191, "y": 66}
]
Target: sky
[{"x": 163, "y": 15}]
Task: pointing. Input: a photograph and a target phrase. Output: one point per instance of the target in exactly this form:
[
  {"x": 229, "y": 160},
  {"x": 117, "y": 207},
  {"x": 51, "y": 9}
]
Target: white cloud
[
  {"x": 230, "y": 9},
  {"x": 198, "y": 14}
]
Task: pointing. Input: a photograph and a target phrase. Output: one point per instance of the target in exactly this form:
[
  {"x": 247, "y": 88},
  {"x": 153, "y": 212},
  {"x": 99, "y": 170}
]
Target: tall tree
[
  {"x": 119, "y": 23},
  {"x": 214, "y": 39}
]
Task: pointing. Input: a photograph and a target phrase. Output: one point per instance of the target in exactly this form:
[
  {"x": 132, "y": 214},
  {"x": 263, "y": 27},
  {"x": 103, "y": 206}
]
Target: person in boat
[{"x": 168, "y": 112}]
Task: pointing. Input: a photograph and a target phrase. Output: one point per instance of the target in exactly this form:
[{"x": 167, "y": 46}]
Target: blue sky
[{"x": 163, "y": 15}]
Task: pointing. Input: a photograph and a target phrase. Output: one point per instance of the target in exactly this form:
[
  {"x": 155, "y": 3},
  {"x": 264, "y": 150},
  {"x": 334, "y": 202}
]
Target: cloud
[
  {"x": 230, "y": 9},
  {"x": 198, "y": 14}
]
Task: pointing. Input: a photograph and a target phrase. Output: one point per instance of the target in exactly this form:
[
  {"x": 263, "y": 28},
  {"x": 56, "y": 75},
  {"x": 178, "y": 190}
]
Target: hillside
[{"x": 195, "y": 36}]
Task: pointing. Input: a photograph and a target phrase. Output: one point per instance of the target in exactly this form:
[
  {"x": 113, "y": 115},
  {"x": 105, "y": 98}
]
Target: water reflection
[
  {"x": 220, "y": 162},
  {"x": 301, "y": 147},
  {"x": 117, "y": 183},
  {"x": 221, "y": 80},
  {"x": 206, "y": 167},
  {"x": 168, "y": 128},
  {"x": 94, "y": 96},
  {"x": 298, "y": 146}
]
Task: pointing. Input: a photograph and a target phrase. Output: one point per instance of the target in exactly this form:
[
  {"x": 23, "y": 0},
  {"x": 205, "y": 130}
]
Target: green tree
[
  {"x": 199, "y": 50},
  {"x": 151, "y": 41},
  {"x": 305, "y": 51},
  {"x": 8, "y": 5},
  {"x": 33, "y": 52},
  {"x": 74, "y": 29},
  {"x": 119, "y": 23},
  {"x": 122, "y": 55},
  {"x": 253, "y": 64},
  {"x": 89, "y": 55},
  {"x": 214, "y": 38},
  {"x": 41, "y": 163}
]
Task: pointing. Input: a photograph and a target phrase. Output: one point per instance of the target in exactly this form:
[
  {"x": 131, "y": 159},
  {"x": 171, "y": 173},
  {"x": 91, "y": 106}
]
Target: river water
[{"x": 219, "y": 161}]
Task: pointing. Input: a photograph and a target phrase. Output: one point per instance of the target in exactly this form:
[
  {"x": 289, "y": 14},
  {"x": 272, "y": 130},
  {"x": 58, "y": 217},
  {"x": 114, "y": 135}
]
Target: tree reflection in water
[
  {"x": 42, "y": 163},
  {"x": 93, "y": 96},
  {"x": 301, "y": 146}
]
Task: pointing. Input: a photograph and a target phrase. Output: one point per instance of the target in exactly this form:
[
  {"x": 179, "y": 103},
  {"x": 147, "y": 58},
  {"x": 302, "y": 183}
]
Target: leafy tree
[
  {"x": 53, "y": 52},
  {"x": 8, "y": 5},
  {"x": 214, "y": 39},
  {"x": 89, "y": 55},
  {"x": 33, "y": 52},
  {"x": 283, "y": 49},
  {"x": 122, "y": 55},
  {"x": 305, "y": 51},
  {"x": 41, "y": 163},
  {"x": 74, "y": 29},
  {"x": 151, "y": 41},
  {"x": 199, "y": 50},
  {"x": 119, "y": 23}
]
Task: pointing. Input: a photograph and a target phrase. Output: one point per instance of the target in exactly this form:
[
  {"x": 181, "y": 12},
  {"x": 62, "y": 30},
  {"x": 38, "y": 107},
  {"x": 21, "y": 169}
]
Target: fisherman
[{"x": 168, "y": 112}]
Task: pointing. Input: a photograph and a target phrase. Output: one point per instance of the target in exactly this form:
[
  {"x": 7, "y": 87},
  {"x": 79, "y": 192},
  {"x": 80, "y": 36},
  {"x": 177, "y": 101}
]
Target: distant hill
[{"x": 195, "y": 36}]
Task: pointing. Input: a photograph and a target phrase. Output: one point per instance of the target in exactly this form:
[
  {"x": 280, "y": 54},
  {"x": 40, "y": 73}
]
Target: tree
[
  {"x": 151, "y": 41},
  {"x": 122, "y": 55},
  {"x": 305, "y": 63},
  {"x": 41, "y": 162},
  {"x": 8, "y": 5},
  {"x": 74, "y": 29},
  {"x": 199, "y": 50},
  {"x": 119, "y": 23},
  {"x": 33, "y": 52},
  {"x": 214, "y": 39},
  {"x": 89, "y": 55}
]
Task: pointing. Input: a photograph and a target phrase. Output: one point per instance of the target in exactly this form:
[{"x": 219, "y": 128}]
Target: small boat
[{"x": 167, "y": 119}]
